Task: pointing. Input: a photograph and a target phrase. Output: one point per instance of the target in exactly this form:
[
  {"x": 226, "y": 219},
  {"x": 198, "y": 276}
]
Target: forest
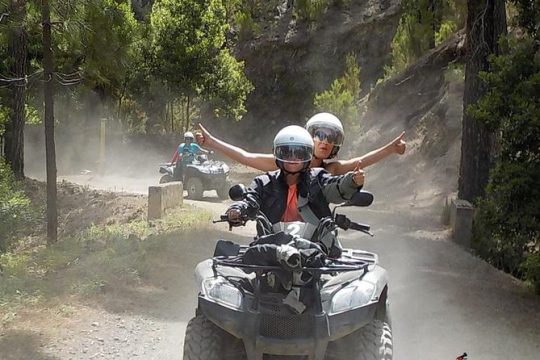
[{"x": 157, "y": 68}]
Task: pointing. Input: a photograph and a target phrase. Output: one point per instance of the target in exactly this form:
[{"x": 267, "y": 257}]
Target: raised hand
[
  {"x": 359, "y": 174},
  {"x": 398, "y": 145},
  {"x": 204, "y": 138}
]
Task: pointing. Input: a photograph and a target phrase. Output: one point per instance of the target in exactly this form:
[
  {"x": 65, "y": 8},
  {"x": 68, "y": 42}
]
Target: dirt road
[{"x": 444, "y": 301}]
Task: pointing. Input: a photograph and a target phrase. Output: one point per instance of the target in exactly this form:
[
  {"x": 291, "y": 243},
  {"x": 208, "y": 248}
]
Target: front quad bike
[
  {"x": 202, "y": 174},
  {"x": 243, "y": 312}
]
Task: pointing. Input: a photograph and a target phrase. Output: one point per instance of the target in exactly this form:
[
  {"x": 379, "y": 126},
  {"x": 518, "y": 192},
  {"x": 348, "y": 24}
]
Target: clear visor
[
  {"x": 331, "y": 136},
  {"x": 293, "y": 153}
]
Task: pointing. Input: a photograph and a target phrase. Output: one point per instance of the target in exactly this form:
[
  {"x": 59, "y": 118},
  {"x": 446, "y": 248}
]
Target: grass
[{"x": 83, "y": 264}]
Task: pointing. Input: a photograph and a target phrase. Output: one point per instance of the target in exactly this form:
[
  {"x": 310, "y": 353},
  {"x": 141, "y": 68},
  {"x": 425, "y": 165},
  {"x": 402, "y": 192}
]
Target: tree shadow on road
[
  {"x": 16, "y": 345},
  {"x": 168, "y": 290}
]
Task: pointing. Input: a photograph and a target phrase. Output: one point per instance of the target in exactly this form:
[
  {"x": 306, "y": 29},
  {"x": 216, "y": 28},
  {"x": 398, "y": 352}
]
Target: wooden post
[
  {"x": 102, "y": 145},
  {"x": 461, "y": 219}
]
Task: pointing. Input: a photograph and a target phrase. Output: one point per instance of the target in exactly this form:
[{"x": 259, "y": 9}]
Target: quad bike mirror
[
  {"x": 237, "y": 192},
  {"x": 360, "y": 198}
]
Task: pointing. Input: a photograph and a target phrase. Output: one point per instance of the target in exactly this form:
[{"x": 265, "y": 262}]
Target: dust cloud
[{"x": 123, "y": 162}]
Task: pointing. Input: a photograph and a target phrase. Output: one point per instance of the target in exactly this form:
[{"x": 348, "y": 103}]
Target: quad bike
[
  {"x": 243, "y": 314},
  {"x": 200, "y": 175}
]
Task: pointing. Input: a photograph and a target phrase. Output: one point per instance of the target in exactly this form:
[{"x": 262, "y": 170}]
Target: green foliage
[
  {"x": 531, "y": 270},
  {"x": 16, "y": 210},
  {"x": 4, "y": 115},
  {"x": 100, "y": 39},
  {"x": 188, "y": 40},
  {"x": 227, "y": 87},
  {"x": 528, "y": 15},
  {"x": 414, "y": 34},
  {"x": 32, "y": 115},
  {"x": 310, "y": 10},
  {"x": 448, "y": 27},
  {"x": 186, "y": 36},
  {"x": 247, "y": 27},
  {"x": 507, "y": 225},
  {"x": 342, "y": 97},
  {"x": 423, "y": 25}
]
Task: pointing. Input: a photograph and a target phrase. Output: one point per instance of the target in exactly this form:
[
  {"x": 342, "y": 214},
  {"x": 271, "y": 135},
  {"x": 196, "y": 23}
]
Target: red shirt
[{"x": 291, "y": 212}]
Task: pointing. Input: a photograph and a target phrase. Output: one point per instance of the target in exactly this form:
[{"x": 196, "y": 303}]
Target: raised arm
[
  {"x": 337, "y": 189},
  {"x": 263, "y": 162},
  {"x": 175, "y": 157},
  {"x": 396, "y": 146}
]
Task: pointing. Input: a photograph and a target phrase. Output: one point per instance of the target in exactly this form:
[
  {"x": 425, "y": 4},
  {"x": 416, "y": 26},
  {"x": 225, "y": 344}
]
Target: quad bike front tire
[
  {"x": 372, "y": 342},
  {"x": 166, "y": 179},
  {"x": 194, "y": 188},
  {"x": 206, "y": 341}
]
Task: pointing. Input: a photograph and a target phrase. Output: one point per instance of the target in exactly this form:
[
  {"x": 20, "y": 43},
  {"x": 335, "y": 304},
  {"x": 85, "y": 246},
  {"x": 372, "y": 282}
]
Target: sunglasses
[{"x": 329, "y": 135}]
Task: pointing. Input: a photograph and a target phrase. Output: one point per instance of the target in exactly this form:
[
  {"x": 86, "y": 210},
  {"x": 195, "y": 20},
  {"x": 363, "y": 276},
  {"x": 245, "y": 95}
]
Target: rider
[
  {"x": 296, "y": 192},
  {"x": 187, "y": 150},
  {"x": 327, "y": 132}
]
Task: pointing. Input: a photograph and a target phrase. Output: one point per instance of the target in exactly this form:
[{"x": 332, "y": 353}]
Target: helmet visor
[
  {"x": 331, "y": 136},
  {"x": 293, "y": 153}
]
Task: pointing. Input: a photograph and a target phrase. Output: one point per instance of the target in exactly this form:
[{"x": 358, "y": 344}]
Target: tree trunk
[
  {"x": 188, "y": 110},
  {"x": 48, "y": 89},
  {"x": 172, "y": 115},
  {"x": 436, "y": 9},
  {"x": 14, "y": 134},
  {"x": 486, "y": 22}
]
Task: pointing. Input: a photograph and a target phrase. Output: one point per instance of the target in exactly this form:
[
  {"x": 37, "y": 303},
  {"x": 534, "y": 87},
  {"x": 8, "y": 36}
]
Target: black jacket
[{"x": 316, "y": 189}]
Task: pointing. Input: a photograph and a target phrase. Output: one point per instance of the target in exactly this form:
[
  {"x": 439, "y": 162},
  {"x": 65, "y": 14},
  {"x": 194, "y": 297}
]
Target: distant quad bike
[
  {"x": 202, "y": 174},
  {"x": 240, "y": 316}
]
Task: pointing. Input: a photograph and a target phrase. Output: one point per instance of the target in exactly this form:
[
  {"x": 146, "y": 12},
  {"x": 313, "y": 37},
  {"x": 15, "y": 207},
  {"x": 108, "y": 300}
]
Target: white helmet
[
  {"x": 293, "y": 144},
  {"x": 326, "y": 127},
  {"x": 189, "y": 135}
]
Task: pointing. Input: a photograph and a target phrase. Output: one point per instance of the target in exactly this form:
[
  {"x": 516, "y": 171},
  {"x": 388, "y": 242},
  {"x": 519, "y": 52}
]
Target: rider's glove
[{"x": 235, "y": 214}]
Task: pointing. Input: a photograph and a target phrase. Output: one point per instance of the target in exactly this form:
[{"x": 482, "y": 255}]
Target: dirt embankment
[{"x": 80, "y": 206}]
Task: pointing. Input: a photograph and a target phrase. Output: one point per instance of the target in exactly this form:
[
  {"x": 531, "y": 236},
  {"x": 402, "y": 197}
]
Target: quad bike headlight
[
  {"x": 221, "y": 291},
  {"x": 357, "y": 294}
]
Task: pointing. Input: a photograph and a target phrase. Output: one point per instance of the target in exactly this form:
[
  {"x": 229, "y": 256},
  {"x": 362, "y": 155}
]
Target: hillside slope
[
  {"x": 426, "y": 102},
  {"x": 290, "y": 60}
]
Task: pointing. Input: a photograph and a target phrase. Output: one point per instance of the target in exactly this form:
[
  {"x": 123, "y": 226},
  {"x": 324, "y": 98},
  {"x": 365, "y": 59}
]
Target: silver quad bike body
[{"x": 340, "y": 312}]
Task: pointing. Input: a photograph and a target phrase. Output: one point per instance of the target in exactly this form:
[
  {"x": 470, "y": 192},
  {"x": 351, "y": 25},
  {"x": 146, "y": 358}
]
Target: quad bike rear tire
[
  {"x": 194, "y": 188},
  {"x": 166, "y": 179},
  {"x": 372, "y": 342},
  {"x": 206, "y": 341}
]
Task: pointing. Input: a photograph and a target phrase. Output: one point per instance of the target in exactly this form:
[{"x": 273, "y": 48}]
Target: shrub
[
  {"x": 247, "y": 28},
  {"x": 507, "y": 224},
  {"x": 310, "y": 10},
  {"x": 531, "y": 269},
  {"x": 343, "y": 95},
  {"x": 15, "y": 208}
]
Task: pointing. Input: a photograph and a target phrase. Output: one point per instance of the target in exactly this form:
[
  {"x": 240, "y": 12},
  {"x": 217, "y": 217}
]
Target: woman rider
[{"x": 327, "y": 132}]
